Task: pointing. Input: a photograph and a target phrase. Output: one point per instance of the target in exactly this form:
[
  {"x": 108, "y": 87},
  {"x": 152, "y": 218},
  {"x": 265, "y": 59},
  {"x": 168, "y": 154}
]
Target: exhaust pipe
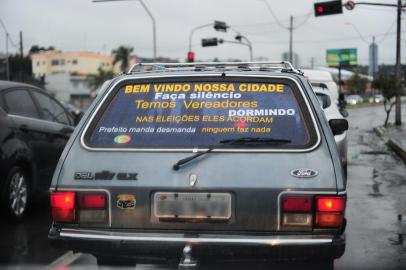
[{"x": 187, "y": 262}]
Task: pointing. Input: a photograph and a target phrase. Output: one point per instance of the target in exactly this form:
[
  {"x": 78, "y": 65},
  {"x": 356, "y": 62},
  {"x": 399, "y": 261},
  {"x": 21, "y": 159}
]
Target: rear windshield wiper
[
  {"x": 177, "y": 165},
  {"x": 255, "y": 141},
  {"x": 238, "y": 141}
]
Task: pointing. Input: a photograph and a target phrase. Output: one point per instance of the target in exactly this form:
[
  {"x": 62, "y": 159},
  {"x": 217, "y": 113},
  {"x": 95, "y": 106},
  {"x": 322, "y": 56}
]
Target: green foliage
[
  {"x": 37, "y": 49},
  {"x": 95, "y": 81},
  {"x": 387, "y": 84},
  {"x": 122, "y": 55},
  {"x": 23, "y": 65},
  {"x": 357, "y": 84}
]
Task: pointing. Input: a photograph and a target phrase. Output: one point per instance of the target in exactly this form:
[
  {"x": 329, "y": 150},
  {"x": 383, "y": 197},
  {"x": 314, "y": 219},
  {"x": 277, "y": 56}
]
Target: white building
[{"x": 78, "y": 63}]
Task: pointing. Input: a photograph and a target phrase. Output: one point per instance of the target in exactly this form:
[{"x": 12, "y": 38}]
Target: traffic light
[
  {"x": 207, "y": 42},
  {"x": 220, "y": 26},
  {"x": 190, "y": 56},
  {"x": 328, "y": 8}
]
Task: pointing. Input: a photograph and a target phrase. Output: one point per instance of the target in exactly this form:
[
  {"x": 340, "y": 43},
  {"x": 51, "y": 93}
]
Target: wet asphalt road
[{"x": 376, "y": 213}]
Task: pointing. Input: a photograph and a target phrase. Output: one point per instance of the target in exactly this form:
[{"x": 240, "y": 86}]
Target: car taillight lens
[
  {"x": 297, "y": 204},
  {"x": 80, "y": 207},
  {"x": 330, "y": 204},
  {"x": 92, "y": 208},
  {"x": 63, "y": 206},
  {"x": 330, "y": 211},
  {"x": 327, "y": 220},
  {"x": 92, "y": 201},
  {"x": 317, "y": 211},
  {"x": 297, "y": 211}
]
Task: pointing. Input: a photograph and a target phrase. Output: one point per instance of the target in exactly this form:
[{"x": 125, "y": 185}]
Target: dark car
[{"x": 34, "y": 128}]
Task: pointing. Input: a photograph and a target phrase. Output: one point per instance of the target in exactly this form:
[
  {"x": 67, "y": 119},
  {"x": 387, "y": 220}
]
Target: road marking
[{"x": 66, "y": 259}]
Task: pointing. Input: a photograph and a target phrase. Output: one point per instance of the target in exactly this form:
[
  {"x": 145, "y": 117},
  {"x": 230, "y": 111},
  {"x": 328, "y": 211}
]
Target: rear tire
[
  {"x": 16, "y": 193},
  {"x": 107, "y": 261}
]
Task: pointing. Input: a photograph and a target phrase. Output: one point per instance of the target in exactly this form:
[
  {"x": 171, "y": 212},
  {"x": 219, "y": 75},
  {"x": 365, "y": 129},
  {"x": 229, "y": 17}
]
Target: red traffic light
[
  {"x": 320, "y": 9},
  {"x": 190, "y": 56},
  {"x": 328, "y": 8}
]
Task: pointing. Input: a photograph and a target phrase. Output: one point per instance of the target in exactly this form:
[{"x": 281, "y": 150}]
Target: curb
[
  {"x": 397, "y": 148},
  {"x": 394, "y": 145},
  {"x": 380, "y": 131}
]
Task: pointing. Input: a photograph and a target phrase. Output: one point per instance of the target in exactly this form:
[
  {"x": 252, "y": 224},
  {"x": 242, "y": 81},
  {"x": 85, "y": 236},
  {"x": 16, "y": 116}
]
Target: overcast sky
[{"x": 77, "y": 25}]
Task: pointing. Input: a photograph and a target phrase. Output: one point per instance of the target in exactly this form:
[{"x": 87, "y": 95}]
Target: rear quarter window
[{"x": 200, "y": 114}]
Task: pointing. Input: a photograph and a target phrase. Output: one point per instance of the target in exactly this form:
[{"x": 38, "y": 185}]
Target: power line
[
  {"x": 9, "y": 36},
  {"x": 327, "y": 40},
  {"x": 275, "y": 17},
  {"x": 387, "y": 32},
  {"x": 309, "y": 15},
  {"x": 255, "y": 24}
]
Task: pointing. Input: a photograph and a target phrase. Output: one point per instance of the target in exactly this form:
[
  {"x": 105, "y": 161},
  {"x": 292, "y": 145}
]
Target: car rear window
[{"x": 200, "y": 114}]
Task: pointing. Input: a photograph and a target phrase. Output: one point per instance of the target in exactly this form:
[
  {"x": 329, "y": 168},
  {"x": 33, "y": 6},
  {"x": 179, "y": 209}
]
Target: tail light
[
  {"x": 297, "y": 211},
  {"x": 71, "y": 207},
  {"x": 63, "y": 206},
  {"x": 330, "y": 211},
  {"x": 313, "y": 211},
  {"x": 330, "y": 204},
  {"x": 95, "y": 201}
]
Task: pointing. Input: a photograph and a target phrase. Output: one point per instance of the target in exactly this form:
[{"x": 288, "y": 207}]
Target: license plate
[{"x": 188, "y": 205}]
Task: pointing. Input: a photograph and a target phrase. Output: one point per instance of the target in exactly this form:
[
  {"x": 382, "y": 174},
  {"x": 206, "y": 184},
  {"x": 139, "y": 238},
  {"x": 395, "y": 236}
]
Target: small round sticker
[{"x": 122, "y": 139}]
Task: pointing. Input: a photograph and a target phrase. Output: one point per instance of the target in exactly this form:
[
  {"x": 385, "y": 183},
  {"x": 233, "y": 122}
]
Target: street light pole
[
  {"x": 153, "y": 26},
  {"x": 398, "y": 115},
  {"x": 291, "y": 40},
  {"x": 149, "y": 14},
  {"x": 240, "y": 43},
  {"x": 240, "y": 37},
  {"x": 193, "y": 31},
  {"x": 249, "y": 47}
]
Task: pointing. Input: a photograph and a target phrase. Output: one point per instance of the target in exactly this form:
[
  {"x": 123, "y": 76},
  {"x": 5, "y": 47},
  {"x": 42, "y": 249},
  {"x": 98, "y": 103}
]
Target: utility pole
[
  {"x": 398, "y": 115},
  {"x": 21, "y": 45},
  {"x": 350, "y": 6},
  {"x": 7, "y": 60},
  {"x": 374, "y": 55},
  {"x": 21, "y": 56},
  {"x": 291, "y": 40}
]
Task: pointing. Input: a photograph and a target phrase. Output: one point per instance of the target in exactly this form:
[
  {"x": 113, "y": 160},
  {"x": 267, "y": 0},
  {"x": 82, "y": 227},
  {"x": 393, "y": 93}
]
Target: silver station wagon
[{"x": 199, "y": 162}]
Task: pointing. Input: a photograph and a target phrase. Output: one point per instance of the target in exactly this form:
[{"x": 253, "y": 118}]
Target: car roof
[
  {"x": 8, "y": 84},
  {"x": 211, "y": 68},
  {"x": 317, "y": 75}
]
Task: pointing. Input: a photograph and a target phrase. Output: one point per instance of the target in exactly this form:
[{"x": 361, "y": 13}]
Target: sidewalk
[{"x": 395, "y": 138}]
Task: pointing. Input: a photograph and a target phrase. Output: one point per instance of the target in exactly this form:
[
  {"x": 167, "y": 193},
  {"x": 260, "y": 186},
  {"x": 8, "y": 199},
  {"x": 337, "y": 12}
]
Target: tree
[
  {"x": 122, "y": 55},
  {"x": 36, "y": 49},
  {"x": 387, "y": 84},
  {"x": 95, "y": 81},
  {"x": 357, "y": 84},
  {"x": 20, "y": 68}
]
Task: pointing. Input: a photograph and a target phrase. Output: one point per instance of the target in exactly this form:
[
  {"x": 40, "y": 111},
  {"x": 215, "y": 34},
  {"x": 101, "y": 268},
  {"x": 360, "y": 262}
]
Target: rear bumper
[{"x": 169, "y": 246}]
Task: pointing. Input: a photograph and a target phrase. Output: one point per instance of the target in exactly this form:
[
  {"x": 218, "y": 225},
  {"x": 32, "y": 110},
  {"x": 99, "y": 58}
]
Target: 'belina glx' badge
[{"x": 126, "y": 201}]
